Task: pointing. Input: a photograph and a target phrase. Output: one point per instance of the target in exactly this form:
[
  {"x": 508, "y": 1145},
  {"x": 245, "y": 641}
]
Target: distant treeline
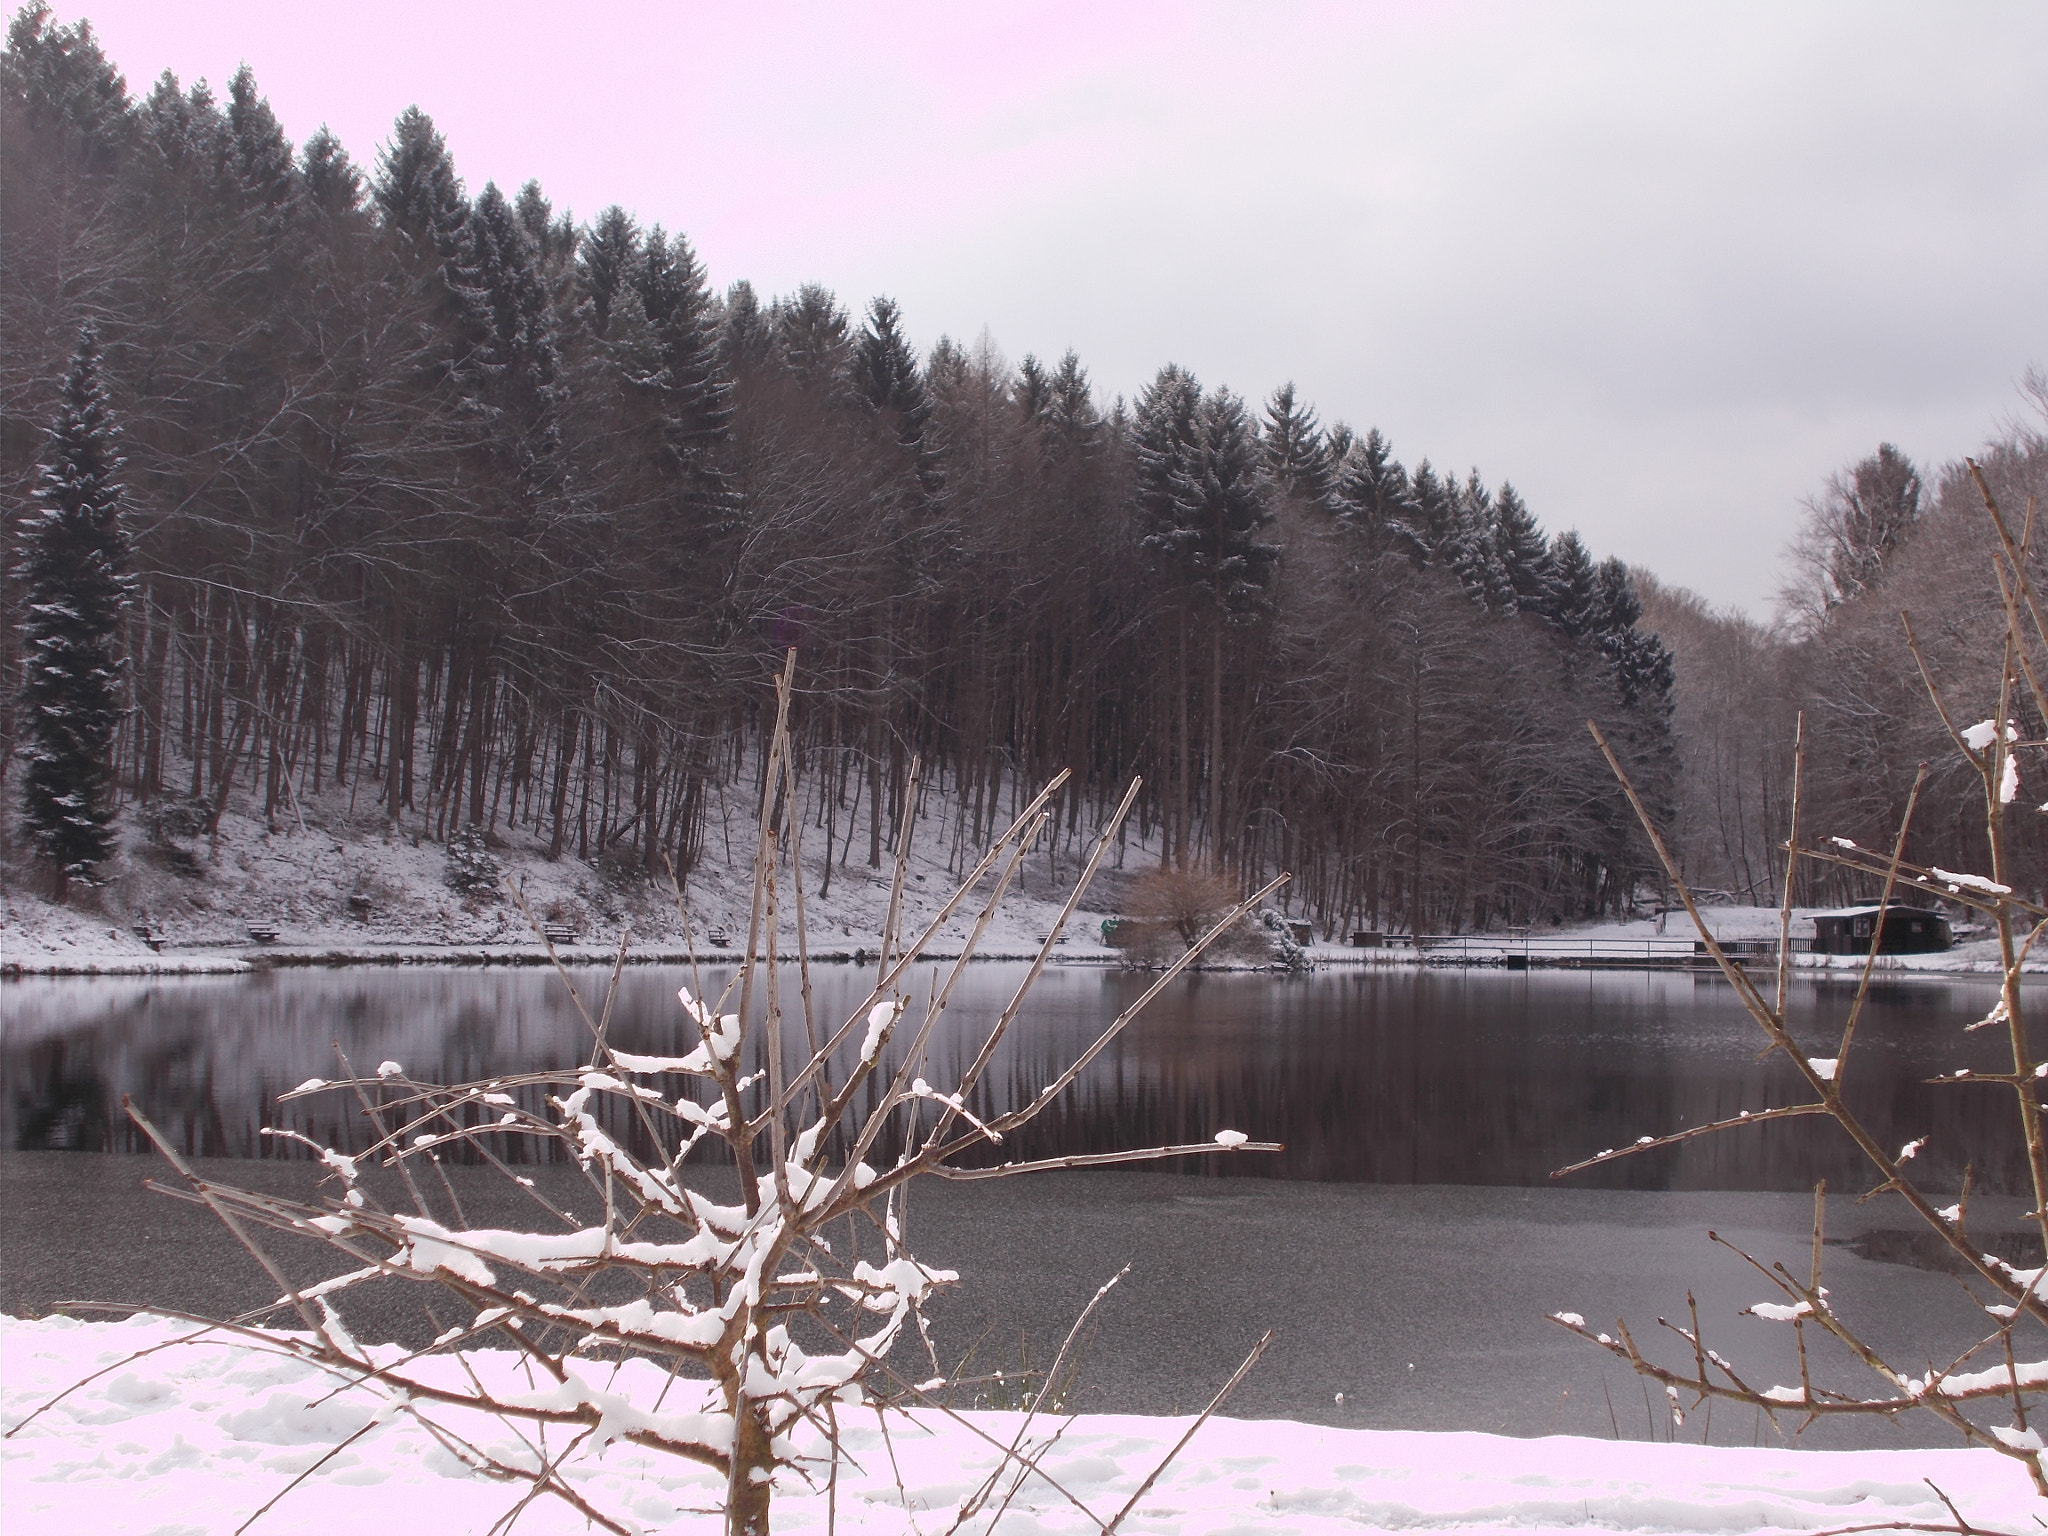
[
  {"x": 1886, "y": 559},
  {"x": 505, "y": 520}
]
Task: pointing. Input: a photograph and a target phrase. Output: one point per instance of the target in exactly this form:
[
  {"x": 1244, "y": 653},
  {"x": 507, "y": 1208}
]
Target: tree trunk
[
  {"x": 1219, "y": 825},
  {"x": 753, "y": 1463},
  {"x": 1179, "y": 836}
]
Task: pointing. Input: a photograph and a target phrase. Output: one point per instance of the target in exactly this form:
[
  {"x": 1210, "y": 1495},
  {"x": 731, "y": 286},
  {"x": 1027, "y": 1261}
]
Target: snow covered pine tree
[{"x": 73, "y": 559}]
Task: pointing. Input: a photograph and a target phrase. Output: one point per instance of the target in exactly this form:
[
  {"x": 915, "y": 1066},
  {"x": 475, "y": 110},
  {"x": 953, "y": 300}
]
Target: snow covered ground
[
  {"x": 347, "y": 887},
  {"x": 197, "y": 1438},
  {"x": 1612, "y": 940}
]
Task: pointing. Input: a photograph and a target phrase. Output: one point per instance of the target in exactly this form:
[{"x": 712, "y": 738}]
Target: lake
[
  {"x": 1378, "y": 1075},
  {"x": 1406, "y": 1246}
]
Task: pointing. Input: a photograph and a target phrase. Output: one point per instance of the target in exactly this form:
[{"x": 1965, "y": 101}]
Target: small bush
[
  {"x": 621, "y": 867},
  {"x": 1291, "y": 954},
  {"x": 472, "y": 869},
  {"x": 170, "y": 817},
  {"x": 711, "y": 1291},
  {"x": 1186, "y": 900}
]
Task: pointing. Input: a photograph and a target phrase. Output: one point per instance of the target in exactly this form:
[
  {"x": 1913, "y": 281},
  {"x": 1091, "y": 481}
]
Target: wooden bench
[
  {"x": 558, "y": 933},
  {"x": 718, "y": 938},
  {"x": 152, "y": 936},
  {"x": 262, "y": 933}
]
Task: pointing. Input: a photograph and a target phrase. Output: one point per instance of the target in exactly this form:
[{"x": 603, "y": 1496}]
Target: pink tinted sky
[{"x": 1663, "y": 267}]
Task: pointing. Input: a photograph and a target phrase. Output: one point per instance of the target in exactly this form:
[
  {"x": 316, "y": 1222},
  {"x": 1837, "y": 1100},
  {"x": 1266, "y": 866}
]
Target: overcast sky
[{"x": 1664, "y": 267}]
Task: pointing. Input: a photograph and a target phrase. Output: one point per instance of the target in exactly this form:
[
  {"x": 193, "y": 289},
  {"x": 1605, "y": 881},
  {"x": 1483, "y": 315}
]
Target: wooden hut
[{"x": 1900, "y": 928}]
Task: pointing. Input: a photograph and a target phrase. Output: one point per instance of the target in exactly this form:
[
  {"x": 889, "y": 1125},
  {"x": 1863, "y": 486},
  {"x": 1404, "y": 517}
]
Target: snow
[
  {"x": 1979, "y": 736},
  {"x": 1956, "y": 882},
  {"x": 197, "y": 1438},
  {"x": 1615, "y": 939},
  {"x": 1778, "y": 1312},
  {"x": 340, "y": 884}
]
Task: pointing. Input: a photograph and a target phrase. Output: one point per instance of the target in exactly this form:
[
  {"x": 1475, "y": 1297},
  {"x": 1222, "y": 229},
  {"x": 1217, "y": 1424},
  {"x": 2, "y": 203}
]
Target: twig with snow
[
  {"x": 760, "y": 1324},
  {"x": 2016, "y": 1299}
]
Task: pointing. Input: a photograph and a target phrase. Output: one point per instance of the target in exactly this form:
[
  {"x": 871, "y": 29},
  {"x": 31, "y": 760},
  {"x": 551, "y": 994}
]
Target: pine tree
[
  {"x": 1070, "y": 419},
  {"x": 1871, "y": 515},
  {"x": 1433, "y": 521},
  {"x": 331, "y": 181},
  {"x": 66, "y": 87},
  {"x": 1572, "y": 603},
  {"x": 417, "y": 191},
  {"x": 554, "y": 240},
  {"x": 1471, "y": 549},
  {"x": 605, "y": 266},
  {"x": 1032, "y": 389},
  {"x": 1524, "y": 553},
  {"x": 887, "y": 379},
  {"x": 689, "y": 381},
  {"x": 1225, "y": 500},
  {"x": 177, "y": 132},
  {"x": 259, "y": 155},
  {"x": 511, "y": 353},
  {"x": 1372, "y": 495},
  {"x": 678, "y": 307},
  {"x": 1293, "y": 443},
  {"x": 1203, "y": 491},
  {"x": 747, "y": 337},
  {"x": 1644, "y": 670},
  {"x": 73, "y": 571},
  {"x": 812, "y": 330},
  {"x": 948, "y": 372},
  {"x": 1162, "y": 446},
  {"x": 1339, "y": 443}
]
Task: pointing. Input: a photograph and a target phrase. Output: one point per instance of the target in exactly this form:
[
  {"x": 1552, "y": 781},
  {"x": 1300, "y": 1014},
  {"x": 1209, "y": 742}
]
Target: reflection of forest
[{"x": 1385, "y": 1077}]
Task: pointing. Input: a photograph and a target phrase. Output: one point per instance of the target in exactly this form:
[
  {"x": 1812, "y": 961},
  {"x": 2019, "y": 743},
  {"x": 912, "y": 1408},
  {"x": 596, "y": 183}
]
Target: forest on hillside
[
  {"x": 507, "y": 521},
  {"x": 1886, "y": 558}
]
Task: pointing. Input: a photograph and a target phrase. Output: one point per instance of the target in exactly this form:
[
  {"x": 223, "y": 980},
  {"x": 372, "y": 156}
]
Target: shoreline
[{"x": 230, "y": 957}]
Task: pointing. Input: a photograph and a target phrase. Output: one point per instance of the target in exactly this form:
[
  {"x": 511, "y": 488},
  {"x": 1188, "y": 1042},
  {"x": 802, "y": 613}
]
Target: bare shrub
[
  {"x": 472, "y": 868},
  {"x": 168, "y": 818},
  {"x": 1186, "y": 900},
  {"x": 769, "y": 1310},
  {"x": 1992, "y": 1374}
]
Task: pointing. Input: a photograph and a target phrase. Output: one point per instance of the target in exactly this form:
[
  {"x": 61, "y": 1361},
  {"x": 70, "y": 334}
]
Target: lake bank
[{"x": 86, "y": 950}]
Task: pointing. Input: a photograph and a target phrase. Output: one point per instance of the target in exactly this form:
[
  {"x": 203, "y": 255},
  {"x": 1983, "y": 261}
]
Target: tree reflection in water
[{"x": 1371, "y": 1076}]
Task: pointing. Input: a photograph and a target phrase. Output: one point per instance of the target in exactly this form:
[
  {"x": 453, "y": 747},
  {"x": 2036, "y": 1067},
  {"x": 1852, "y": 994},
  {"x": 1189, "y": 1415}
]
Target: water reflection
[{"x": 1473, "y": 1077}]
